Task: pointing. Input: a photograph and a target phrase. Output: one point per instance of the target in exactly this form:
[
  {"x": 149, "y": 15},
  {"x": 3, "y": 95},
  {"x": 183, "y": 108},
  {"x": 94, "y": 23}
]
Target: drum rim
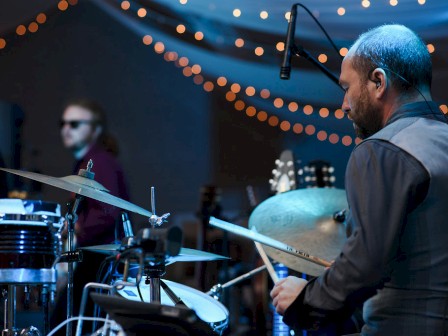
[{"x": 221, "y": 323}]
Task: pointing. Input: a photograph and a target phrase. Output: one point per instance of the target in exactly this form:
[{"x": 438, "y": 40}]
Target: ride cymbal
[
  {"x": 185, "y": 254},
  {"x": 303, "y": 219}
]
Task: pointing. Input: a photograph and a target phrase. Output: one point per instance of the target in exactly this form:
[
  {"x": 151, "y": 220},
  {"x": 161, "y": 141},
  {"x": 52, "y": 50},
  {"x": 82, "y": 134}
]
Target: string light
[
  {"x": 341, "y": 11},
  {"x": 125, "y": 5},
  {"x": 264, "y": 93},
  {"x": 264, "y": 15},
  {"x": 236, "y": 12},
  {"x": 235, "y": 87},
  {"x": 221, "y": 81},
  {"x": 230, "y": 96},
  {"x": 33, "y": 27},
  {"x": 251, "y": 111},
  {"x": 199, "y": 36},
  {"x": 196, "y": 69},
  {"x": 262, "y": 116},
  {"x": 322, "y": 58},
  {"x": 63, "y": 5},
  {"x": 285, "y": 126},
  {"x": 41, "y": 18},
  {"x": 322, "y": 135},
  {"x": 208, "y": 86},
  {"x": 310, "y": 129},
  {"x": 21, "y": 30},
  {"x": 278, "y": 102},
  {"x": 308, "y": 109},
  {"x": 147, "y": 39},
  {"x": 198, "y": 79},
  {"x": 280, "y": 46},
  {"x": 250, "y": 91},
  {"x": 343, "y": 51},
  {"x": 239, "y": 105},
  {"x": 142, "y": 12},
  {"x": 239, "y": 42},
  {"x": 365, "y": 3},
  {"x": 259, "y": 51},
  {"x": 293, "y": 107}
]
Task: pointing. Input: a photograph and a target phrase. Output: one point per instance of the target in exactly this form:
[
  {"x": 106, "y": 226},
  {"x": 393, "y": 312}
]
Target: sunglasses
[{"x": 73, "y": 124}]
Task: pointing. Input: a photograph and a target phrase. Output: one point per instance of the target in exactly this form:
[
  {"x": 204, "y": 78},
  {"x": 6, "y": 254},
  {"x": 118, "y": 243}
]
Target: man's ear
[{"x": 379, "y": 76}]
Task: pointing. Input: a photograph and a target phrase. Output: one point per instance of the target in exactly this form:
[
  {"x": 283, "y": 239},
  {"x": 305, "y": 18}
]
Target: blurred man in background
[{"x": 84, "y": 133}]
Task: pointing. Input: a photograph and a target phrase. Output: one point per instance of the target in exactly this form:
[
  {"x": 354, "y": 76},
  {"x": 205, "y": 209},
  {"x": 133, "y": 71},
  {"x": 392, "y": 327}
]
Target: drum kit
[{"x": 297, "y": 228}]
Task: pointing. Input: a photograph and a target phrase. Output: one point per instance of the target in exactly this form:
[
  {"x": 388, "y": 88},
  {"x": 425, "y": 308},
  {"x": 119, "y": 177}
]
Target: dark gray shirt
[{"x": 386, "y": 186}]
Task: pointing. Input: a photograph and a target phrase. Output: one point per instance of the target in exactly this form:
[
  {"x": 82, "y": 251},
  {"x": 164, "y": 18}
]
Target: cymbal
[
  {"x": 303, "y": 219},
  {"x": 185, "y": 254},
  {"x": 82, "y": 186}
]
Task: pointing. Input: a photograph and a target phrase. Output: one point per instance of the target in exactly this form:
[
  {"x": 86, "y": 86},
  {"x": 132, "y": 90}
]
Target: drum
[
  {"x": 29, "y": 241},
  {"x": 207, "y": 309}
]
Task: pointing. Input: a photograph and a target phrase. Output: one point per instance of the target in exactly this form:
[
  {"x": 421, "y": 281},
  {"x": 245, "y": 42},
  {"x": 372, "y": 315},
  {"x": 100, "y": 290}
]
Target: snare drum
[
  {"x": 207, "y": 309},
  {"x": 29, "y": 241}
]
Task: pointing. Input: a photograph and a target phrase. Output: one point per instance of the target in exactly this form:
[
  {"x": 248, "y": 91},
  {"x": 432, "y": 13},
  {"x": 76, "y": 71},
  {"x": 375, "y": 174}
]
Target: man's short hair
[{"x": 398, "y": 51}]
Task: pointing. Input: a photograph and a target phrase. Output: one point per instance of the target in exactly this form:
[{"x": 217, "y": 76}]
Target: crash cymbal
[
  {"x": 185, "y": 254},
  {"x": 82, "y": 186},
  {"x": 303, "y": 219}
]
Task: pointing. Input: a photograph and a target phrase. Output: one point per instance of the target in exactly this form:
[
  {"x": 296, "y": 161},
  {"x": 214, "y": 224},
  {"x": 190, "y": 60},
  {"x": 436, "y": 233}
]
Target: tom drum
[{"x": 29, "y": 241}]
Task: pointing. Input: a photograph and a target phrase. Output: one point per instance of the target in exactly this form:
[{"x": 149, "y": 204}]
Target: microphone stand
[{"x": 300, "y": 51}]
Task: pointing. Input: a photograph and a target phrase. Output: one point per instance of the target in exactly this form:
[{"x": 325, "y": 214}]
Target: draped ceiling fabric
[{"x": 218, "y": 56}]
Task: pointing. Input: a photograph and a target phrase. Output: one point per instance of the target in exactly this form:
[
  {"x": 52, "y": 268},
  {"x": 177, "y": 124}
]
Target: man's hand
[{"x": 285, "y": 292}]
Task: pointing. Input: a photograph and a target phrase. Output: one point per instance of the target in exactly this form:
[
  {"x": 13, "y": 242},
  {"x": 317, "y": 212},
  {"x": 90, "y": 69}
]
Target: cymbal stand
[
  {"x": 154, "y": 272},
  {"x": 10, "y": 313},
  {"x": 71, "y": 218}
]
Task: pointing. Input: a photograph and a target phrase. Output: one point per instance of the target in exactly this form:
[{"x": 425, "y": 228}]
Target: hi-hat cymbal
[
  {"x": 82, "y": 186},
  {"x": 185, "y": 254},
  {"x": 303, "y": 219}
]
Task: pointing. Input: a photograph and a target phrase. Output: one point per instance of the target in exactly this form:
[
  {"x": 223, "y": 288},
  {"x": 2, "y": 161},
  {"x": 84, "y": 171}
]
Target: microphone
[{"x": 285, "y": 70}]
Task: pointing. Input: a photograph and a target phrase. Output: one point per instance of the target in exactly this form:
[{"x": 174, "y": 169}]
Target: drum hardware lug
[
  {"x": 71, "y": 257},
  {"x": 216, "y": 292}
]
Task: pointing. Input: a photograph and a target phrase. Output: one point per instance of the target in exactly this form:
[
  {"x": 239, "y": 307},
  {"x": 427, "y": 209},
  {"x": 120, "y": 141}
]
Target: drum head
[{"x": 208, "y": 309}]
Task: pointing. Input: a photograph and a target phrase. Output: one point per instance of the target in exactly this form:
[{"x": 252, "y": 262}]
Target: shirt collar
[{"x": 418, "y": 109}]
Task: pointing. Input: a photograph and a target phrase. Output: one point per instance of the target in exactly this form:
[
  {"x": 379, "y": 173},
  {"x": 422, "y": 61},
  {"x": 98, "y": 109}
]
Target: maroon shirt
[{"x": 98, "y": 222}]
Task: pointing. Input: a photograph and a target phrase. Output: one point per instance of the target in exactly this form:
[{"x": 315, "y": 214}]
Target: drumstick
[
  {"x": 238, "y": 230},
  {"x": 267, "y": 262}
]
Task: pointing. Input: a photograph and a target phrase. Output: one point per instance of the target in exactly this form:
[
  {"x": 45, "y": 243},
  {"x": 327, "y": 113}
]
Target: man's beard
[{"x": 368, "y": 118}]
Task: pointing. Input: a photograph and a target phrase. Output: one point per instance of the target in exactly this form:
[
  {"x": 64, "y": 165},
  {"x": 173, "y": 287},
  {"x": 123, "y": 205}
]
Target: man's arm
[{"x": 382, "y": 182}]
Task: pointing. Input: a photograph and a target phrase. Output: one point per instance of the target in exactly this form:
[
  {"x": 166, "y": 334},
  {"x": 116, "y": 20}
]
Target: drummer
[
  {"x": 84, "y": 132},
  {"x": 396, "y": 258}
]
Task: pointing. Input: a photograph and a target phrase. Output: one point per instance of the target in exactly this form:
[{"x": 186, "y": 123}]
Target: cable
[
  {"x": 321, "y": 27},
  {"x": 407, "y": 82},
  {"x": 78, "y": 318}
]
